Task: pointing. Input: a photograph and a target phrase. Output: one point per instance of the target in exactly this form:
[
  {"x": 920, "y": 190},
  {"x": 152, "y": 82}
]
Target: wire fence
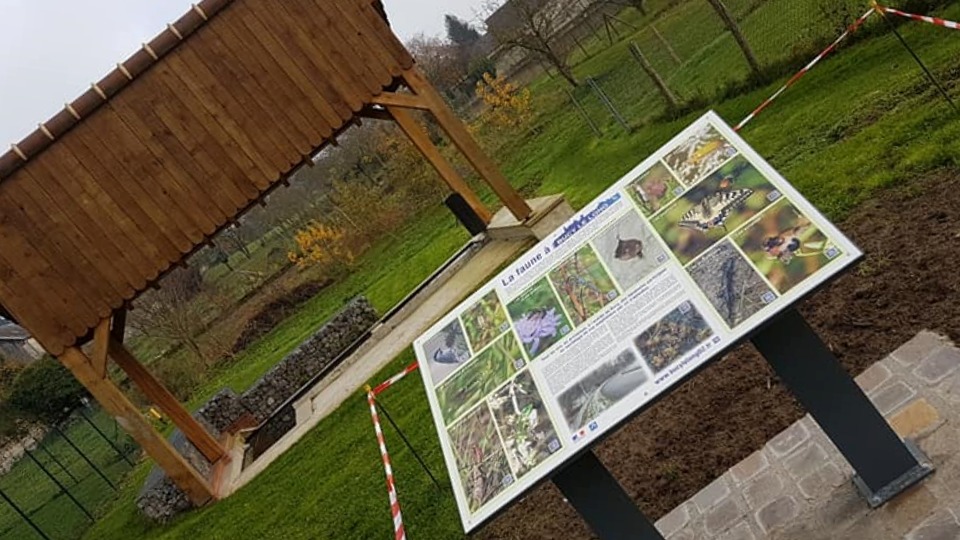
[
  {"x": 697, "y": 60},
  {"x": 54, "y": 489}
]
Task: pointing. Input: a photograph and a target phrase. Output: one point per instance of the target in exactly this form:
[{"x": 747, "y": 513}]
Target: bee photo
[
  {"x": 630, "y": 250},
  {"x": 583, "y": 285},
  {"x": 653, "y": 189},
  {"x": 446, "y": 351},
  {"x": 722, "y": 202},
  {"x": 538, "y": 318},
  {"x": 699, "y": 155},
  {"x": 786, "y": 247},
  {"x": 730, "y": 282}
]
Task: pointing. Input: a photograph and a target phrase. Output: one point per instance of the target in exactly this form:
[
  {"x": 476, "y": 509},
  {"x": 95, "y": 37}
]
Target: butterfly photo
[{"x": 714, "y": 208}]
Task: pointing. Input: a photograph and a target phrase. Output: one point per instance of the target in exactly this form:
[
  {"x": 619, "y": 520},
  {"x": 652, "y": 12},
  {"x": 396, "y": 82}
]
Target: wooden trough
[{"x": 199, "y": 125}]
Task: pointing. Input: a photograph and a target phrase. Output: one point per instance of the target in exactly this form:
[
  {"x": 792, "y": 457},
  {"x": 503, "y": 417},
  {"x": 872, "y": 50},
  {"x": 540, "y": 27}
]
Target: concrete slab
[{"x": 799, "y": 487}]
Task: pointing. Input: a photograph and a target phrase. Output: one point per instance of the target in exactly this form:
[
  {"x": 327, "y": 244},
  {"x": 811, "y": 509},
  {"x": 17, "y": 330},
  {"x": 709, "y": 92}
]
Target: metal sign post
[
  {"x": 885, "y": 465},
  {"x": 601, "y": 501}
]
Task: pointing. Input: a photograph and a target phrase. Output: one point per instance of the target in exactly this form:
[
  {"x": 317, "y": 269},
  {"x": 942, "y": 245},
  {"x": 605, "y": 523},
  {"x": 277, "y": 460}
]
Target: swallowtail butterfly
[{"x": 714, "y": 209}]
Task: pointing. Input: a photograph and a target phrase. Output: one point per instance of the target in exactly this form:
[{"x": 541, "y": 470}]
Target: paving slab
[{"x": 799, "y": 486}]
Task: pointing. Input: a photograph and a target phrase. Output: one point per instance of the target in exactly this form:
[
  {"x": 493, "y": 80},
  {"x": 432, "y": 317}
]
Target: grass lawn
[
  {"x": 38, "y": 496},
  {"x": 861, "y": 121}
]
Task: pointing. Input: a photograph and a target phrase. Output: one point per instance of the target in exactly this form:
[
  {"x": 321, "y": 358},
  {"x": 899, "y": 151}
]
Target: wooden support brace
[
  {"x": 406, "y": 101},
  {"x": 183, "y": 474},
  {"x": 167, "y": 402},
  {"x": 422, "y": 141},
  {"x": 101, "y": 341},
  {"x": 464, "y": 141}
]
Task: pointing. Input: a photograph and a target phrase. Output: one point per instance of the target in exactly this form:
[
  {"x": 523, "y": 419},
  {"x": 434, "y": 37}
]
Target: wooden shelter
[{"x": 173, "y": 145}]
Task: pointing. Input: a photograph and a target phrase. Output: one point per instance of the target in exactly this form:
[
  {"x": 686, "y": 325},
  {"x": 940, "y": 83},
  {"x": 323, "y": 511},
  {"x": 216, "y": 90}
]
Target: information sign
[{"x": 683, "y": 257}]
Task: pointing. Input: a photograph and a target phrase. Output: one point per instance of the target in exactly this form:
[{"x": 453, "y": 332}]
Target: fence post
[
  {"x": 609, "y": 104},
  {"x": 24, "y": 516},
  {"x": 105, "y": 438},
  {"x": 665, "y": 43},
  {"x": 53, "y": 458},
  {"x": 583, "y": 113},
  {"x": 60, "y": 486},
  {"x": 658, "y": 81},
  {"x": 85, "y": 458}
]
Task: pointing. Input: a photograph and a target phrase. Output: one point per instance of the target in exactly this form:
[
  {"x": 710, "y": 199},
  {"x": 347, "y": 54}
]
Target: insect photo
[
  {"x": 700, "y": 154},
  {"x": 785, "y": 246},
  {"x": 653, "y": 189},
  {"x": 718, "y": 205}
]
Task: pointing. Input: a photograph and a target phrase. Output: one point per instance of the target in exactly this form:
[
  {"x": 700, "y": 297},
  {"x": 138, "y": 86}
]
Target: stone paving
[{"x": 798, "y": 486}]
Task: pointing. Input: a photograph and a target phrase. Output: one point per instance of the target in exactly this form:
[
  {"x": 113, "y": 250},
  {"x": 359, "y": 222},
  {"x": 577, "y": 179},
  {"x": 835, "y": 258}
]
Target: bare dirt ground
[{"x": 906, "y": 283}]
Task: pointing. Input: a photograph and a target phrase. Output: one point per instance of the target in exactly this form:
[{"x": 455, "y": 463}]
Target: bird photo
[
  {"x": 654, "y": 189},
  {"x": 446, "y": 351},
  {"x": 629, "y": 250}
]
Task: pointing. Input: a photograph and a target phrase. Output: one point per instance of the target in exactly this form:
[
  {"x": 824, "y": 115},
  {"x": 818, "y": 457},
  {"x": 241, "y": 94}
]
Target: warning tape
[
  {"x": 932, "y": 20},
  {"x": 388, "y": 470},
  {"x": 851, "y": 29},
  {"x": 393, "y": 380}
]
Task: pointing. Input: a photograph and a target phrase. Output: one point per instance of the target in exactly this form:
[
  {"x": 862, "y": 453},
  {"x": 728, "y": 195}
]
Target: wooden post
[
  {"x": 184, "y": 475},
  {"x": 101, "y": 340},
  {"x": 167, "y": 402},
  {"x": 421, "y": 140},
  {"x": 465, "y": 142}
]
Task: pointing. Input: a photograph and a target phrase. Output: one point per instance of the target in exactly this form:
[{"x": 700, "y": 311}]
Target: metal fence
[{"x": 54, "y": 489}]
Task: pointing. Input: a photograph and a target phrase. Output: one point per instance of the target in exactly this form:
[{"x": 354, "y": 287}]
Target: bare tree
[
  {"x": 173, "y": 313},
  {"x": 734, "y": 28},
  {"x": 531, "y": 25},
  {"x": 442, "y": 62}
]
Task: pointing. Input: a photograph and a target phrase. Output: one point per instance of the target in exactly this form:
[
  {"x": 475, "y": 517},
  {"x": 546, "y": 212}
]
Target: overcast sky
[{"x": 51, "y": 50}]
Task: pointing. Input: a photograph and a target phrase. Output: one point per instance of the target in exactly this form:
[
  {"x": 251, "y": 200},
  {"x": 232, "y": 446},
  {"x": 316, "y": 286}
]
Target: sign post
[
  {"x": 601, "y": 501},
  {"x": 885, "y": 465},
  {"x": 699, "y": 248}
]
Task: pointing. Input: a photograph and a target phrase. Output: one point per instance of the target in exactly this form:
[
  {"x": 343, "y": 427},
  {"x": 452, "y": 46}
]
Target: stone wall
[{"x": 161, "y": 500}]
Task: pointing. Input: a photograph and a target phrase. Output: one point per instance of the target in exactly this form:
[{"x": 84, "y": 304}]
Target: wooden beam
[
  {"x": 460, "y": 136},
  {"x": 101, "y": 341},
  {"x": 183, "y": 474},
  {"x": 422, "y": 141},
  {"x": 167, "y": 402},
  {"x": 406, "y": 101}
]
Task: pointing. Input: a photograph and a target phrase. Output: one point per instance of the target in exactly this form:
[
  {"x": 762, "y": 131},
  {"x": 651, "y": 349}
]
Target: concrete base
[
  {"x": 798, "y": 486},
  {"x": 549, "y": 213}
]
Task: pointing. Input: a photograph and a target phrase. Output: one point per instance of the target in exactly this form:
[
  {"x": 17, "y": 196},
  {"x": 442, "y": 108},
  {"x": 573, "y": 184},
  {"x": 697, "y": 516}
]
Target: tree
[
  {"x": 46, "y": 390},
  {"x": 440, "y": 61},
  {"x": 173, "y": 312},
  {"x": 734, "y": 29},
  {"x": 530, "y": 25},
  {"x": 460, "y": 33}
]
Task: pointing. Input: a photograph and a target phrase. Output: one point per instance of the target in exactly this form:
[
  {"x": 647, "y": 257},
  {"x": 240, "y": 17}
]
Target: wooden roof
[{"x": 171, "y": 146}]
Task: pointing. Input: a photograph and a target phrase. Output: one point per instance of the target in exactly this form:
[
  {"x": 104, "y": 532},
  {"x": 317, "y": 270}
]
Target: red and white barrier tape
[
  {"x": 853, "y": 28},
  {"x": 388, "y": 470},
  {"x": 393, "y": 380},
  {"x": 932, "y": 20}
]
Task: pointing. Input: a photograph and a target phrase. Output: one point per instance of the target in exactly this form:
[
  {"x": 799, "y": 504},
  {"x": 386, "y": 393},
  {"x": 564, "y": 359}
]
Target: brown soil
[
  {"x": 671, "y": 451},
  {"x": 276, "y": 311}
]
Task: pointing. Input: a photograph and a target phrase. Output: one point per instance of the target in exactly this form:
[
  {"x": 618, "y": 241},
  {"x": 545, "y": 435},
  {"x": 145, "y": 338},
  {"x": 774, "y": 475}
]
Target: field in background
[{"x": 862, "y": 121}]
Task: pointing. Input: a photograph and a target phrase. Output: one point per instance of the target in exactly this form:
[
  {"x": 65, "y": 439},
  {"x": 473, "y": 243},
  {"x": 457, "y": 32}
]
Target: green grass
[
  {"x": 29, "y": 487},
  {"x": 861, "y": 121}
]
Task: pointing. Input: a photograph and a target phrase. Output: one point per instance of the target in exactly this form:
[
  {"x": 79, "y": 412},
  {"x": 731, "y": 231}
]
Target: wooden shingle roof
[{"x": 198, "y": 125}]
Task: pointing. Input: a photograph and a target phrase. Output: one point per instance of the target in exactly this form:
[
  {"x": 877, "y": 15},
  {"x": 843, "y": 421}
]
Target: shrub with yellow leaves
[
  {"x": 507, "y": 106},
  {"x": 321, "y": 245}
]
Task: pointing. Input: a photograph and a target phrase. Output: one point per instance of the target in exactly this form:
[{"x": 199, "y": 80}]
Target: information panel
[{"x": 678, "y": 260}]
